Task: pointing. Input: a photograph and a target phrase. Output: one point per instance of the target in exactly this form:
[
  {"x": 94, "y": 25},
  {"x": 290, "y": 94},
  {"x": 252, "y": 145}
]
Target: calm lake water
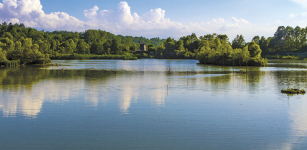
[{"x": 152, "y": 104}]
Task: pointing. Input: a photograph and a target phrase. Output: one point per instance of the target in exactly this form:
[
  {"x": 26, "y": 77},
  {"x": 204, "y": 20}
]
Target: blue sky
[
  {"x": 186, "y": 11},
  {"x": 159, "y": 18}
]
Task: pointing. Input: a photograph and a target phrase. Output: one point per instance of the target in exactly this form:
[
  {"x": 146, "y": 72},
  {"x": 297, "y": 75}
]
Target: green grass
[
  {"x": 91, "y": 56},
  {"x": 290, "y": 57},
  {"x": 282, "y": 57}
]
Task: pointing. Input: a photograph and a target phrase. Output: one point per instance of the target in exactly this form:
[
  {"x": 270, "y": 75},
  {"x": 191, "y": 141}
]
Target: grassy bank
[
  {"x": 283, "y": 57},
  {"x": 91, "y": 56}
]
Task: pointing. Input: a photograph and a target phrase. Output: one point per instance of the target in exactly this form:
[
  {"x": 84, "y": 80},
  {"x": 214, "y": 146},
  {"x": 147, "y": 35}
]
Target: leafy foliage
[
  {"x": 30, "y": 46},
  {"x": 218, "y": 51},
  {"x": 285, "y": 39}
]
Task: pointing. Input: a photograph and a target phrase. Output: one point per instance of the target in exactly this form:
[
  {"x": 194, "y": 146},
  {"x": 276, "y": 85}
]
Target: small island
[
  {"x": 293, "y": 91},
  {"x": 218, "y": 51}
]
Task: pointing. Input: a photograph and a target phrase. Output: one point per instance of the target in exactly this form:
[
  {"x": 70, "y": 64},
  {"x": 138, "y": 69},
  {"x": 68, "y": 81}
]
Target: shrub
[
  {"x": 290, "y": 57},
  {"x": 8, "y": 63}
]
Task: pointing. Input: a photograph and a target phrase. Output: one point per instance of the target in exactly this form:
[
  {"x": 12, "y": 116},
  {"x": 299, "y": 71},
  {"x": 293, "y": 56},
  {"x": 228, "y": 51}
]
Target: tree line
[
  {"x": 30, "y": 46},
  {"x": 285, "y": 39}
]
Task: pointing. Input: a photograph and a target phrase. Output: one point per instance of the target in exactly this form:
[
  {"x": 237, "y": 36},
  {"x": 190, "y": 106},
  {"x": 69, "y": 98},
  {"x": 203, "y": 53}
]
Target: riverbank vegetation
[
  {"x": 24, "y": 45},
  {"x": 285, "y": 39},
  {"x": 76, "y": 56},
  {"x": 283, "y": 57},
  {"x": 217, "y": 50}
]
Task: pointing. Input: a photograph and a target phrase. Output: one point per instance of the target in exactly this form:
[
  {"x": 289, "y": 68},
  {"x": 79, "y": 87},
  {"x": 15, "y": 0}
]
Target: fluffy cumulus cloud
[
  {"x": 153, "y": 23},
  {"x": 121, "y": 21},
  {"x": 31, "y": 14}
]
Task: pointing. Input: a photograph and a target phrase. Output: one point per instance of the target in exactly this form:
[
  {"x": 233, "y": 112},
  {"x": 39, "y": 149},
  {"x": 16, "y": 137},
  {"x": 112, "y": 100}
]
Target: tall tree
[
  {"x": 238, "y": 42},
  {"x": 83, "y": 47}
]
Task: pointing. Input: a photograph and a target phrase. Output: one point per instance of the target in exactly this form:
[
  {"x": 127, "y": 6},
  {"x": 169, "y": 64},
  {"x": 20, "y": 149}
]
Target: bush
[
  {"x": 277, "y": 56},
  {"x": 8, "y": 63},
  {"x": 144, "y": 55},
  {"x": 290, "y": 57},
  {"x": 139, "y": 56},
  {"x": 225, "y": 55},
  {"x": 281, "y": 57},
  {"x": 130, "y": 58}
]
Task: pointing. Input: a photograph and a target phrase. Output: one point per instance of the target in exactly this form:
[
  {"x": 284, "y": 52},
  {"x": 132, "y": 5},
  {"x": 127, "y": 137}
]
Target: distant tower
[{"x": 142, "y": 47}]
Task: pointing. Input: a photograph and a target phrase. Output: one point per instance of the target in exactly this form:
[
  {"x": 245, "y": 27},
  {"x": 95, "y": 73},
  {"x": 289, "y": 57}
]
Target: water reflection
[
  {"x": 34, "y": 86},
  {"x": 297, "y": 123},
  {"x": 126, "y": 97},
  {"x": 296, "y": 105},
  {"x": 222, "y": 105},
  {"x": 25, "y": 95}
]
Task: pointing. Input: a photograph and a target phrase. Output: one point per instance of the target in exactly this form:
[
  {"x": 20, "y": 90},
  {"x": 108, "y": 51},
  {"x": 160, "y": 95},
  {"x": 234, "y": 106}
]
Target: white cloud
[
  {"x": 221, "y": 24},
  {"x": 232, "y": 27},
  {"x": 122, "y": 15},
  {"x": 31, "y": 14},
  {"x": 294, "y": 20},
  {"x": 300, "y": 16},
  {"x": 301, "y": 2},
  {"x": 122, "y": 21},
  {"x": 156, "y": 15},
  {"x": 91, "y": 13},
  {"x": 153, "y": 24}
]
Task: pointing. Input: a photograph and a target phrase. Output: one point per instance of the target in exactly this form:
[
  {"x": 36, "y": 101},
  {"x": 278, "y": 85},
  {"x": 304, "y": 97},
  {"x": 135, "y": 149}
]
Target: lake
[{"x": 152, "y": 104}]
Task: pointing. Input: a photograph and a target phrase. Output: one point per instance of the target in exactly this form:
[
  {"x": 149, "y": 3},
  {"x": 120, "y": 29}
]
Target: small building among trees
[{"x": 142, "y": 48}]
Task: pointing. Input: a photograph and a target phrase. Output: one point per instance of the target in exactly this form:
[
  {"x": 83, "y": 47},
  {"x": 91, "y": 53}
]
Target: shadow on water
[
  {"x": 299, "y": 64},
  {"x": 26, "y": 76},
  {"x": 291, "y": 79}
]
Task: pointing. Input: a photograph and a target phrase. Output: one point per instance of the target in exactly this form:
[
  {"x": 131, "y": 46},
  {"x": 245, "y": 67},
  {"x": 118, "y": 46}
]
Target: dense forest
[
  {"x": 24, "y": 45},
  {"x": 285, "y": 39},
  {"x": 30, "y": 46}
]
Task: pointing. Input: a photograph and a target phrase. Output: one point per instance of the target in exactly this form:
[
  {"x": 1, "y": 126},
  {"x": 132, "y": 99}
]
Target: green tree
[
  {"x": 254, "y": 49},
  {"x": 83, "y": 47},
  {"x": 169, "y": 48},
  {"x": 238, "y": 42},
  {"x": 27, "y": 51},
  {"x": 97, "y": 48},
  {"x": 159, "y": 51},
  {"x": 263, "y": 44},
  {"x": 115, "y": 48},
  {"x": 256, "y": 39},
  {"x": 2, "y": 55}
]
